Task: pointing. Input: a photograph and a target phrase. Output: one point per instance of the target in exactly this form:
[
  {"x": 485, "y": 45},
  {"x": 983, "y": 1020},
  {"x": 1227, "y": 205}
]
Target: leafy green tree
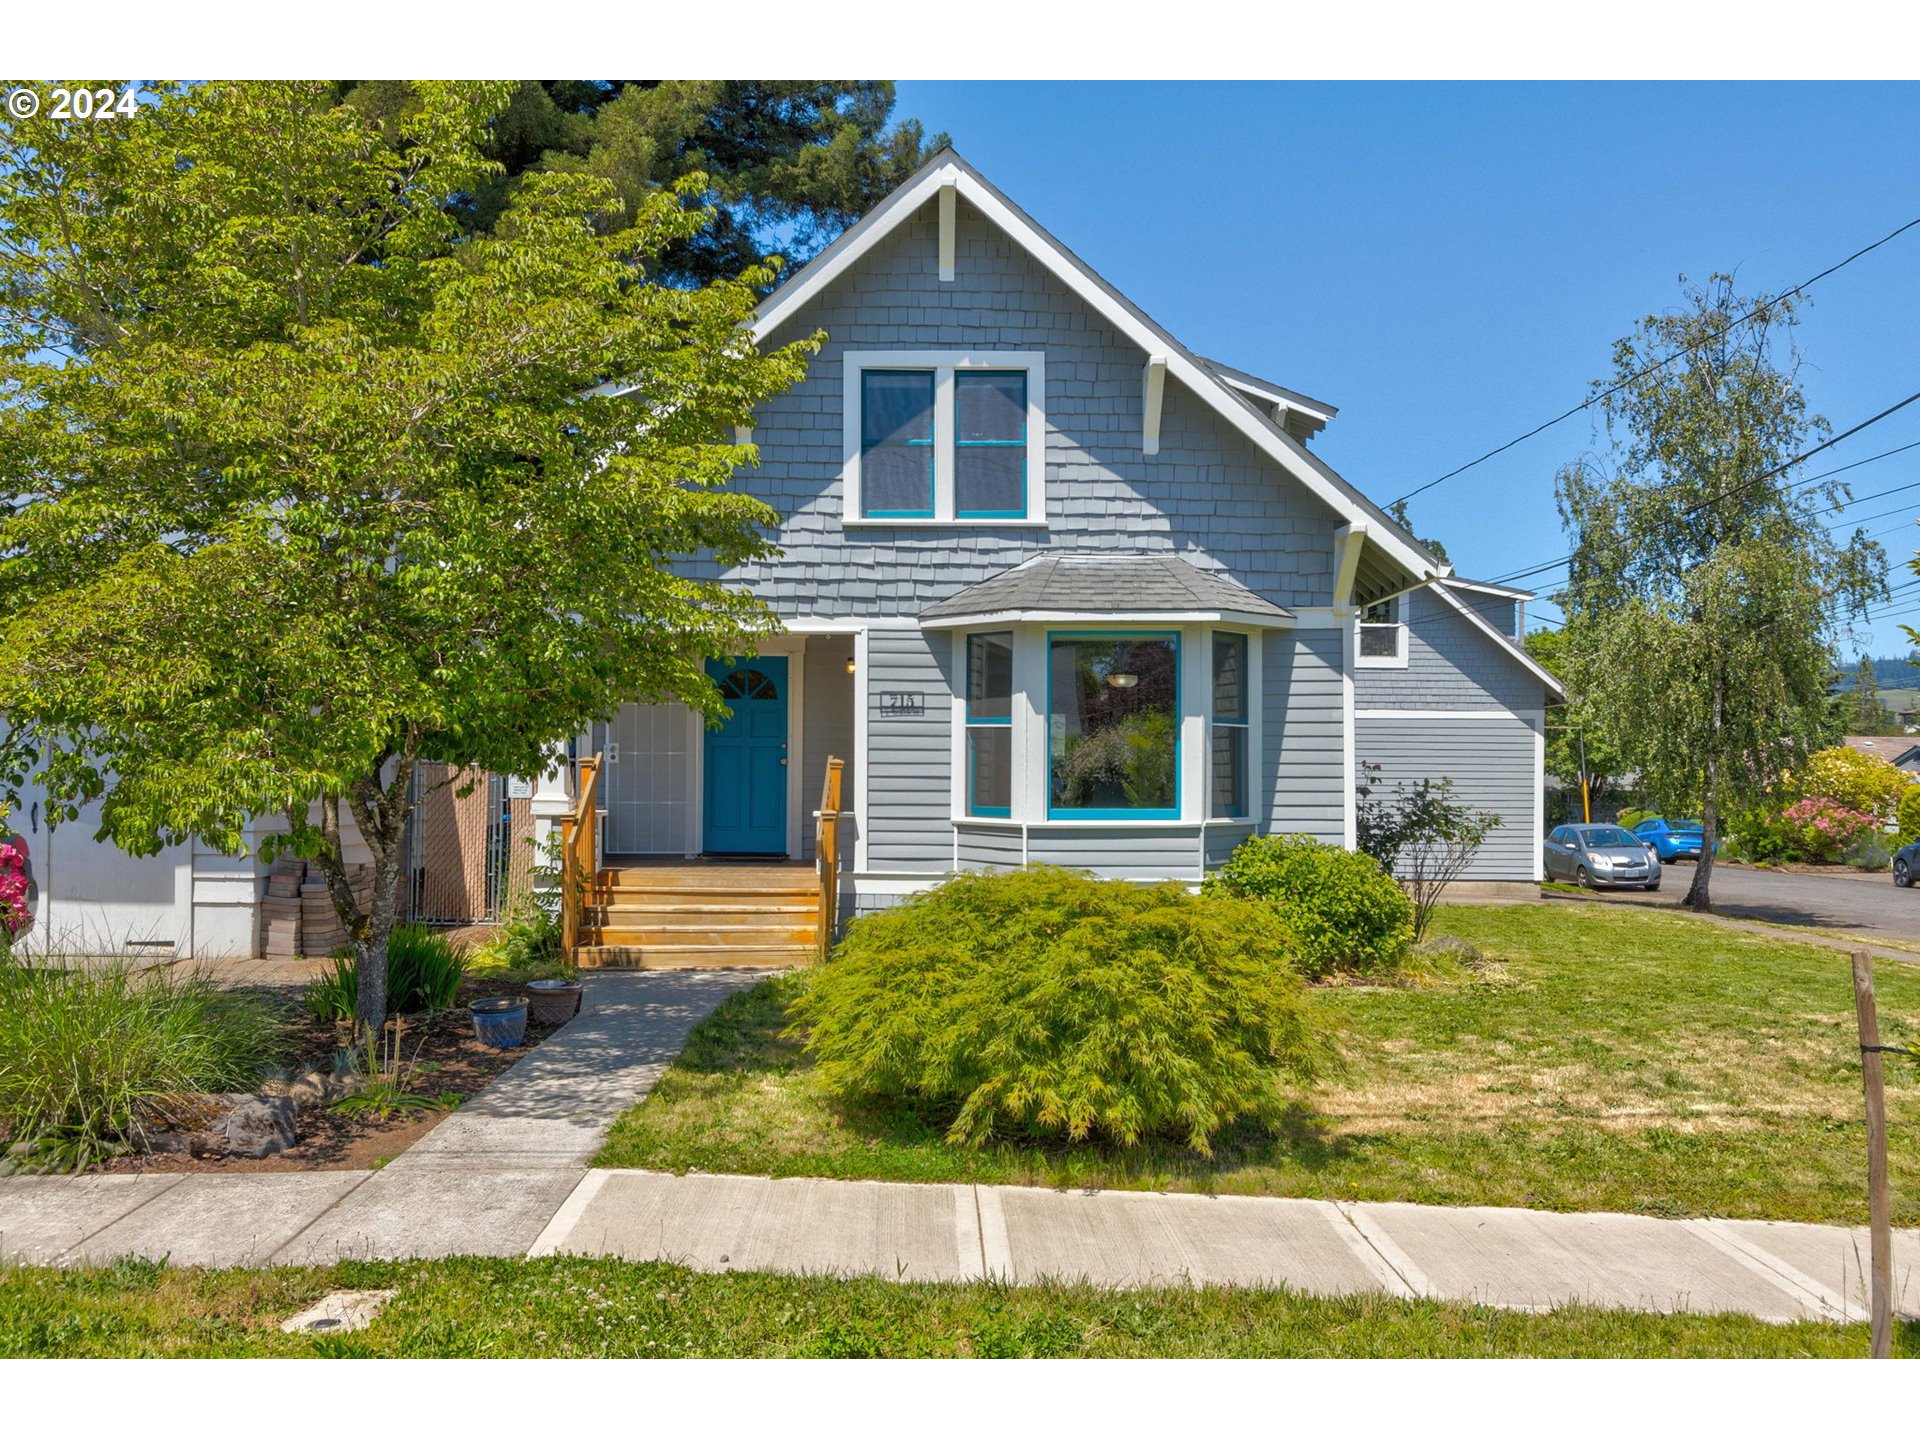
[
  {"x": 312, "y": 487},
  {"x": 785, "y": 165},
  {"x": 1705, "y": 595},
  {"x": 1574, "y": 725},
  {"x": 1866, "y": 714},
  {"x": 1398, "y": 510}
]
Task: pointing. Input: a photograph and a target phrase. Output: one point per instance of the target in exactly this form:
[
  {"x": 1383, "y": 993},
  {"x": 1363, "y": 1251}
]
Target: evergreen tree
[
  {"x": 1867, "y": 715},
  {"x": 788, "y": 164}
]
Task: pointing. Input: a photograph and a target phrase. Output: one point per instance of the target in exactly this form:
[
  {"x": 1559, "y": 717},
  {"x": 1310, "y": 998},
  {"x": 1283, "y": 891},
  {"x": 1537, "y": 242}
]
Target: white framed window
[
  {"x": 1231, "y": 718},
  {"x": 943, "y": 437},
  {"x": 1383, "y": 637}
]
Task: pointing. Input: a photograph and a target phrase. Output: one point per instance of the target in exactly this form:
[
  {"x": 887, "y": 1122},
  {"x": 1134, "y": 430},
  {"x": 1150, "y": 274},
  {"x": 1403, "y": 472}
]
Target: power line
[
  {"x": 1657, "y": 365},
  {"x": 1805, "y": 455}
]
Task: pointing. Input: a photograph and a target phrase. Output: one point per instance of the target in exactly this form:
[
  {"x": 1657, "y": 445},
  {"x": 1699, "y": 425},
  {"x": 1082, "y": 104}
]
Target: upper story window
[
  {"x": 945, "y": 438},
  {"x": 1383, "y": 635}
]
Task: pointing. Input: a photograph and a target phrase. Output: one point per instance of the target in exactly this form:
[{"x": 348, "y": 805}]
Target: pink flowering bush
[
  {"x": 1822, "y": 827},
  {"x": 14, "y": 916}
]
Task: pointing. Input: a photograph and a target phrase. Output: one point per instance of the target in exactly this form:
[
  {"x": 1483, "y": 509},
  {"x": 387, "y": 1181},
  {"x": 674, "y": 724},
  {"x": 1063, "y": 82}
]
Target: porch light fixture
[
  {"x": 1123, "y": 681},
  {"x": 849, "y": 665}
]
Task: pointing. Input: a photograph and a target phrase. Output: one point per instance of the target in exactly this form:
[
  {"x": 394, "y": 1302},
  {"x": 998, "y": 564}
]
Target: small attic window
[{"x": 1383, "y": 638}]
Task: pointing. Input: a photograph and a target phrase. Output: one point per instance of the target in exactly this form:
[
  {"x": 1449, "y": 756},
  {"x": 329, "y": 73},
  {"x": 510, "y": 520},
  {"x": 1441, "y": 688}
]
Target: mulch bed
[{"x": 439, "y": 1054}]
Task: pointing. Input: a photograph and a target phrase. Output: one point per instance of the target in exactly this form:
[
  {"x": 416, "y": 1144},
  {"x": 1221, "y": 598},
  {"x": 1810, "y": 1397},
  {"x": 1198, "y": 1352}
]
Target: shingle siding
[
  {"x": 1208, "y": 496},
  {"x": 1451, "y": 665},
  {"x": 1490, "y": 760}
]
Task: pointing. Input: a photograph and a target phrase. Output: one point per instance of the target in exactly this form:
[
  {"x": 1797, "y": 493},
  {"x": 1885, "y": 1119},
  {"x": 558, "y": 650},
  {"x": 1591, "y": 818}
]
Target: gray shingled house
[{"x": 1057, "y": 589}]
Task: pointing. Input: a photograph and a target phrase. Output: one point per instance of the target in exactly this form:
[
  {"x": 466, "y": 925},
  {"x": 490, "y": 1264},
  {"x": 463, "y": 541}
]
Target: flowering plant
[
  {"x": 14, "y": 916},
  {"x": 1823, "y": 827}
]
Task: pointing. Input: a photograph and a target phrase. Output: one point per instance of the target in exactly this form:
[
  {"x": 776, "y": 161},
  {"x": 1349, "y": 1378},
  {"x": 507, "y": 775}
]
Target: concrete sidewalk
[
  {"x": 1518, "y": 1259},
  {"x": 485, "y": 1181}
]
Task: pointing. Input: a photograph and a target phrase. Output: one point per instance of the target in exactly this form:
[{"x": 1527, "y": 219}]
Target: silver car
[{"x": 1601, "y": 855}]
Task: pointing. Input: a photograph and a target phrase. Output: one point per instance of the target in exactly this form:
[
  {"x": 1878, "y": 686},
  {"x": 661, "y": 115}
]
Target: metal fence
[{"x": 469, "y": 846}]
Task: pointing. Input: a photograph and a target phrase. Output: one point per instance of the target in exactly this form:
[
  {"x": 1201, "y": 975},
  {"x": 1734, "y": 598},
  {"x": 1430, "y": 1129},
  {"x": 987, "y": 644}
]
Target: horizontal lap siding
[
  {"x": 909, "y": 757},
  {"x": 1121, "y": 854},
  {"x": 1222, "y": 841},
  {"x": 1303, "y": 752},
  {"x": 1491, "y": 764},
  {"x": 997, "y": 848}
]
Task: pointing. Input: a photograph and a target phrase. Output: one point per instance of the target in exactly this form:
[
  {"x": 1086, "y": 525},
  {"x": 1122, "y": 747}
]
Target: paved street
[{"x": 1866, "y": 906}]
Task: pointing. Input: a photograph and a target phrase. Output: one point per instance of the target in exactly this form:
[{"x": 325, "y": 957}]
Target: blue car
[{"x": 1672, "y": 839}]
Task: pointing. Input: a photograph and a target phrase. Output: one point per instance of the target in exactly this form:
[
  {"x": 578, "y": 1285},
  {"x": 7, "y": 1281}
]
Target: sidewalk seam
[
  {"x": 563, "y": 1220},
  {"x": 133, "y": 1209},
  {"x": 1410, "y": 1275},
  {"x": 996, "y": 1255},
  {"x": 354, "y": 1189},
  {"x": 1803, "y": 1288}
]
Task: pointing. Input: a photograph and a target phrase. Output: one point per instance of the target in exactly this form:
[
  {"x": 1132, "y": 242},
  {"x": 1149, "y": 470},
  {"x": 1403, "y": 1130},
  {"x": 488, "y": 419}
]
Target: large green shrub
[
  {"x": 1045, "y": 1002},
  {"x": 80, "y": 1047},
  {"x": 1343, "y": 911},
  {"x": 1909, "y": 815},
  {"x": 424, "y": 970}
]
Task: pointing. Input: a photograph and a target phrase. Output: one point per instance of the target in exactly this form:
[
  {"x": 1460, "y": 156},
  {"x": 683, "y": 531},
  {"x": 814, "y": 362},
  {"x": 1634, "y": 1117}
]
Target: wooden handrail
[
  {"x": 826, "y": 852},
  {"x": 579, "y": 855}
]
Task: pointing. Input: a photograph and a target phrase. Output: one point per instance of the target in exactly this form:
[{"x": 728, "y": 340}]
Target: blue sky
[{"x": 1450, "y": 263}]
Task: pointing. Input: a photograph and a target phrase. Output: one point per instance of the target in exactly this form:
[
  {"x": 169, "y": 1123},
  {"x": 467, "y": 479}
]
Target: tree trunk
[{"x": 1699, "y": 893}]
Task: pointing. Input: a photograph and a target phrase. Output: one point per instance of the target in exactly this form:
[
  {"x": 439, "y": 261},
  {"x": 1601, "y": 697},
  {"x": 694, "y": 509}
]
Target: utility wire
[
  {"x": 1615, "y": 389},
  {"x": 1761, "y": 479}
]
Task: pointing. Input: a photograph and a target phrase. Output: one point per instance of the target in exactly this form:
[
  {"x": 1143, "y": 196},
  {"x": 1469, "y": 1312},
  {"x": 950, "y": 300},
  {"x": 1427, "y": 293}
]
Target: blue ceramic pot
[{"x": 500, "y": 1023}]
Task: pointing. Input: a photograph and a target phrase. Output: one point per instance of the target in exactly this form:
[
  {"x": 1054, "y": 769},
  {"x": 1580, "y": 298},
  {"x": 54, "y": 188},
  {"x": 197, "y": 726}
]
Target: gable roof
[
  {"x": 1070, "y": 586},
  {"x": 1515, "y": 650},
  {"x": 1393, "y": 545},
  {"x": 1899, "y": 750}
]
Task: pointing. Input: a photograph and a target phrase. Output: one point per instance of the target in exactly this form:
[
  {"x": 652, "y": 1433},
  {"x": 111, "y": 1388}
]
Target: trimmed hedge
[
  {"x": 1344, "y": 912},
  {"x": 1043, "y": 1002}
]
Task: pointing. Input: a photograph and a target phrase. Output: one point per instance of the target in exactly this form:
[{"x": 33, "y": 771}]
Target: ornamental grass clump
[
  {"x": 1045, "y": 1003},
  {"x": 79, "y": 1047},
  {"x": 424, "y": 970}
]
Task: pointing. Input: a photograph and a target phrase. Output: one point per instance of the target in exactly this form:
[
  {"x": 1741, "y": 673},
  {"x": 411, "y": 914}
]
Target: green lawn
[
  {"x": 576, "y": 1307},
  {"x": 1611, "y": 1059}
]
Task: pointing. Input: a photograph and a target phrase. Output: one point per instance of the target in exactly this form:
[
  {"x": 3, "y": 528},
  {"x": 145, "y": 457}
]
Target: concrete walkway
[{"x": 508, "y": 1175}]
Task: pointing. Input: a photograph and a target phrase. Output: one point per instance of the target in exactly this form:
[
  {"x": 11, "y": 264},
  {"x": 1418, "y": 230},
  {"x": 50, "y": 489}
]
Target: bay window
[
  {"x": 990, "y": 725},
  {"x": 1113, "y": 726},
  {"x": 1230, "y": 725}
]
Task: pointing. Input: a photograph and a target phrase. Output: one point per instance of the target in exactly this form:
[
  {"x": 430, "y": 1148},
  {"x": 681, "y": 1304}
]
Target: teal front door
[{"x": 745, "y": 786}]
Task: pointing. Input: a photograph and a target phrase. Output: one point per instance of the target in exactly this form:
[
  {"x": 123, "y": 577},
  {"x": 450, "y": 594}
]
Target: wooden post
[{"x": 1877, "y": 1207}]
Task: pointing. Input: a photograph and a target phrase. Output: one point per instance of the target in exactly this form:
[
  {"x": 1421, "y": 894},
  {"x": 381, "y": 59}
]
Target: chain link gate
[{"x": 468, "y": 855}]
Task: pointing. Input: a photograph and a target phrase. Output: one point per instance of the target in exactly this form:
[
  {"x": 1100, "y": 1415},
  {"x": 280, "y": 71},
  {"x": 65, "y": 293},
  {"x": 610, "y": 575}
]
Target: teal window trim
[
  {"x": 975, "y": 809},
  {"x": 933, "y": 436},
  {"x": 1026, "y": 381},
  {"x": 1057, "y": 812},
  {"x": 1241, "y": 721}
]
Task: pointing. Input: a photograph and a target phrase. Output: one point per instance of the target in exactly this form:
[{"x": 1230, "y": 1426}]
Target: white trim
[
  {"x": 795, "y": 756},
  {"x": 1539, "y": 723},
  {"x": 1487, "y": 587},
  {"x": 1292, "y": 456},
  {"x": 948, "y": 224},
  {"x": 845, "y": 624},
  {"x": 1153, "y": 389},
  {"x": 1506, "y": 642},
  {"x": 1483, "y": 714},
  {"x": 1279, "y": 396},
  {"x": 860, "y": 705},
  {"x": 1321, "y": 617},
  {"x": 943, "y": 364},
  {"x": 1395, "y": 661},
  {"x": 1349, "y": 765},
  {"x": 1348, "y": 542},
  {"x": 988, "y": 619}
]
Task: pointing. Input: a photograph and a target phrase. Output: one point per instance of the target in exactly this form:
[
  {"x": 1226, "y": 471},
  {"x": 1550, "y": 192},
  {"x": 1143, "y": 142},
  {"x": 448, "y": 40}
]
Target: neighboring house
[
  {"x": 1900, "y": 750},
  {"x": 1054, "y": 588}
]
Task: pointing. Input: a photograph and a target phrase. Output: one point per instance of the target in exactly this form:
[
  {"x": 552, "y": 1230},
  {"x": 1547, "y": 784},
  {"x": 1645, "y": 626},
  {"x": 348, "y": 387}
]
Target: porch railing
[
  {"x": 579, "y": 855},
  {"x": 826, "y": 851}
]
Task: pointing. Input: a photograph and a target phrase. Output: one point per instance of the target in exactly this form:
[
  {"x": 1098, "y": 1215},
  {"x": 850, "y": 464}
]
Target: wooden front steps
[{"x": 700, "y": 916}]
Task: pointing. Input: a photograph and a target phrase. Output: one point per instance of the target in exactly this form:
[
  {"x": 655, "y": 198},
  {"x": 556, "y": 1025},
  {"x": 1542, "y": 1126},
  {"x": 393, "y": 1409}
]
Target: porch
[{"x": 646, "y": 912}]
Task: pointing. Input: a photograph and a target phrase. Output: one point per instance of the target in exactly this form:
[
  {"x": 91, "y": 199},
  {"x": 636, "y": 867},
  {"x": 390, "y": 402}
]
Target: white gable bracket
[
  {"x": 1348, "y": 541},
  {"x": 1153, "y": 390},
  {"x": 949, "y": 193}
]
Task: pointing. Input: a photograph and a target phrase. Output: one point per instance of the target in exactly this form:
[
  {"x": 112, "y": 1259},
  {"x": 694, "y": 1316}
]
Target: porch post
[{"x": 551, "y": 800}]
